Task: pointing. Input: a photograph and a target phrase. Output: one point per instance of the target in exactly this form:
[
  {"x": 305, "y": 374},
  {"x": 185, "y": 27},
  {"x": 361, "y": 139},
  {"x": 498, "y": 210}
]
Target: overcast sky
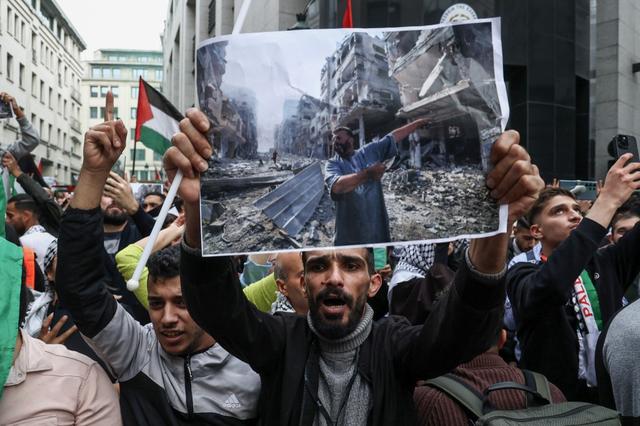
[
  {"x": 279, "y": 66},
  {"x": 129, "y": 24}
]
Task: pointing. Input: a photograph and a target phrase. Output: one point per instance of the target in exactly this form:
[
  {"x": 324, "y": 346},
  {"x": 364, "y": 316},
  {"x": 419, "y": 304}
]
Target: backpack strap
[
  {"x": 538, "y": 382},
  {"x": 461, "y": 392}
]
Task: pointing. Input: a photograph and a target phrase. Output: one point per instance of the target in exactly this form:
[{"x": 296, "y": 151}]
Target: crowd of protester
[{"x": 323, "y": 337}]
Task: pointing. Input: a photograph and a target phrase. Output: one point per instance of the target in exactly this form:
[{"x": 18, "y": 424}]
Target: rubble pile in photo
[{"x": 431, "y": 203}]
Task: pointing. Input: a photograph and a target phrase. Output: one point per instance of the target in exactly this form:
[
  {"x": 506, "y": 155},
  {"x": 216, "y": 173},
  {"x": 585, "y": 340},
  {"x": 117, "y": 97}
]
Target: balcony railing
[{"x": 75, "y": 124}]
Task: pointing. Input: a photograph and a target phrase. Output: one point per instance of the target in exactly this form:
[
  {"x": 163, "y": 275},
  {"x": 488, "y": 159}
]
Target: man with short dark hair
[
  {"x": 336, "y": 365},
  {"x": 521, "y": 241},
  {"x": 23, "y": 214},
  {"x": 561, "y": 302},
  {"x": 152, "y": 201},
  {"x": 170, "y": 371},
  {"x": 353, "y": 180}
]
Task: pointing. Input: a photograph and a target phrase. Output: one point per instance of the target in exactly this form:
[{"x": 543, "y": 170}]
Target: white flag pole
[{"x": 134, "y": 282}]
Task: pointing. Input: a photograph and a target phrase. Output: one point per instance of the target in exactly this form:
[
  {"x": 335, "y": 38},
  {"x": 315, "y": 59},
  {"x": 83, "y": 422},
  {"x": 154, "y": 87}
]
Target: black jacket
[
  {"x": 540, "y": 296},
  {"x": 392, "y": 358},
  {"x": 50, "y": 211}
]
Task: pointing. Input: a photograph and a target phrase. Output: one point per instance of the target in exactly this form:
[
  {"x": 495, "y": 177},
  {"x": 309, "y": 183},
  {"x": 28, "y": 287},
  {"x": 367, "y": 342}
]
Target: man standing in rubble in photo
[{"x": 353, "y": 179}]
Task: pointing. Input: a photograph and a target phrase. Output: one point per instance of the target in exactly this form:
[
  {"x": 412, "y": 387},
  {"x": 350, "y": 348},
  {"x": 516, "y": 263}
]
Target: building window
[
  {"x": 93, "y": 112},
  {"x": 159, "y": 75},
  {"x": 134, "y": 92},
  {"x": 94, "y": 91},
  {"x": 34, "y": 85},
  {"x": 132, "y": 133},
  {"x": 103, "y": 91},
  {"x": 9, "y": 21},
  {"x": 139, "y": 154},
  {"x": 96, "y": 73},
  {"x": 64, "y": 110},
  {"x": 137, "y": 72},
  {"x": 144, "y": 175},
  {"x": 157, "y": 156},
  {"x": 106, "y": 73},
  {"x": 50, "y": 97},
  {"x": 115, "y": 90},
  {"x": 134, "y": 113},
  {"x": 9, "y": 67},
  {"x": 116, "y": 73},
  {"x": 21, "y": 76},
  {"x": 41, "y": 91},
  {"x": 23, "y": 33}
]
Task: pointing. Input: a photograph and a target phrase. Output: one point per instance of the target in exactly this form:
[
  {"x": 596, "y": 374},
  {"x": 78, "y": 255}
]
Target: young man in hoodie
[{"x": 562, "y": 301}]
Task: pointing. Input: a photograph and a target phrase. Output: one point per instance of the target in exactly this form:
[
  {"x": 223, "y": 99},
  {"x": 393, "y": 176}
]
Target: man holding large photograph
[
  {"x": 353, "y": 179},
  {"x": 336, "y": 363}
]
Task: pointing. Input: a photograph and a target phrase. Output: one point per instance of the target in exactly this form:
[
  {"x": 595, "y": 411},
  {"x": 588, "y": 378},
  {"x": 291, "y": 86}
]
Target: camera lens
[{"x": 623, "y": 143}]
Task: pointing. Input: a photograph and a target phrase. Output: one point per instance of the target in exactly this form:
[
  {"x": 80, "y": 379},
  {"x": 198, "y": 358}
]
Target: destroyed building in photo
[
  {"x": 232, "y": 114},
  {"x": 293, "y": 135},
  {"x": 244, "y": 102},
  {"x": 355, "y": 82},
  {"x": 446, "y": 74}
]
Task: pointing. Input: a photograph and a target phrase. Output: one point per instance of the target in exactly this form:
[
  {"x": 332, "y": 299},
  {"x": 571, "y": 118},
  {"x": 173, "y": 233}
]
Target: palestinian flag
[{"x": 157, "y": 119}]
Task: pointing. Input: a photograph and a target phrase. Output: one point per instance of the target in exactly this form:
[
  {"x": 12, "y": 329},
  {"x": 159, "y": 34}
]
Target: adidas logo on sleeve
[{"x": 232, "y": 402}]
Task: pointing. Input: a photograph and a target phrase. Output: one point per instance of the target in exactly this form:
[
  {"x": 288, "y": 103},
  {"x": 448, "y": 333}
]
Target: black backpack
[{"x": 539, "y": 411}]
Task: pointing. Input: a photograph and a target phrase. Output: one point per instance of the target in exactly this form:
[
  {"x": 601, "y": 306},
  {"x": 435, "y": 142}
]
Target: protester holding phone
[
  {"x": 562, "y": 301},
  {"x": 30, "y": 137}
]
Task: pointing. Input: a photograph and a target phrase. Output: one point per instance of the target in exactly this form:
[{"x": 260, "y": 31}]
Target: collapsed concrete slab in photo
[{"x": 439, "y": 77}]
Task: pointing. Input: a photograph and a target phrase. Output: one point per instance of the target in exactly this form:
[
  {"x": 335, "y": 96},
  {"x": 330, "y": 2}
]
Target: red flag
[
  {"x": 347, "y": 19},
  {"x": 40, "y": 166}
]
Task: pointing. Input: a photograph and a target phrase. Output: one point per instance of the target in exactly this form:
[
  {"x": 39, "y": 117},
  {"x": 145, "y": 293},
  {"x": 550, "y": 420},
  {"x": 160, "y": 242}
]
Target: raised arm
[
  {"x": 45, "y": 202},
  {"x": 80, "y": 281},
  {"x": 29, "y": 136},
  {"x": 532, "y": 288},
  {"x": 119, "y": 189},
  {"x": 210, "y": 285},
  {"x": 463, "y": 321},
  {"x": 402, "y": 132}
]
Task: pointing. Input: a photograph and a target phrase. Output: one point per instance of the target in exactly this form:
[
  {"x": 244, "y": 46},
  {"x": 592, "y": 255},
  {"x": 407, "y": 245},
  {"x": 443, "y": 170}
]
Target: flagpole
[
  {"x": 134, "y": 282},
  {"x": 133, "y": 169}
]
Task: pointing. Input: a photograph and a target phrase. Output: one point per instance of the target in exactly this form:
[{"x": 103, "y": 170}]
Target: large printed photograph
[{"x": 350, "y": 137}]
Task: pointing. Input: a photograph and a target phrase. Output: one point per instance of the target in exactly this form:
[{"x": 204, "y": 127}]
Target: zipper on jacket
[{"x": 188, "y": 378}]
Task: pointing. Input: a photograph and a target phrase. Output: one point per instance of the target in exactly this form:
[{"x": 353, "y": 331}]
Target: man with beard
[
  {"x": 335, "y": 365},
  {"x": 353, "y": 180}
]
